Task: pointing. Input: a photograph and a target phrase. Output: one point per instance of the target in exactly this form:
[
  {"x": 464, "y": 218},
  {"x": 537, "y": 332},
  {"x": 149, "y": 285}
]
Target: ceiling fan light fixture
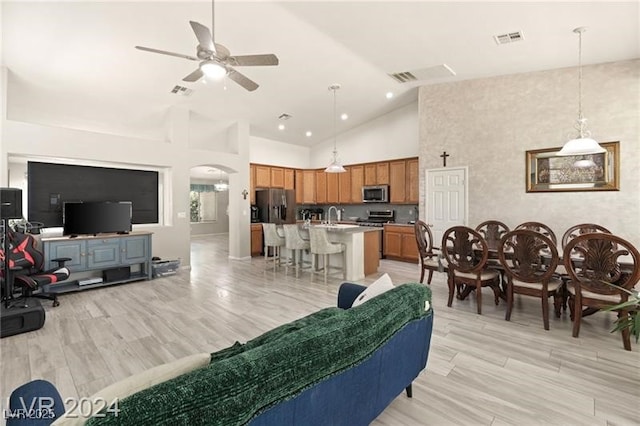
[{"x": 213, "y": 69}]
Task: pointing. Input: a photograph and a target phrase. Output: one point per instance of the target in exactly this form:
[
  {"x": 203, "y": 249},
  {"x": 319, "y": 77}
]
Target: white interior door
[{"x": 446, "y": 200}]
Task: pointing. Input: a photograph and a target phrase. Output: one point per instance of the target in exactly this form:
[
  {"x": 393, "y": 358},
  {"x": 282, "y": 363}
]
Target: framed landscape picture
[{"x": 548, "y": 172}]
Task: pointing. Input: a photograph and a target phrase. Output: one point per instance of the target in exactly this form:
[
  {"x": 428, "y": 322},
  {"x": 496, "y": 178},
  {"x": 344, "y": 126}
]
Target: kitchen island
[{"x": 362, "y": 248}]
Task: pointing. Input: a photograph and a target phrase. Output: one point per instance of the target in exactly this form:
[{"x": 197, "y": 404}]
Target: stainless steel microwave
[{"x": 375, "y": 194}]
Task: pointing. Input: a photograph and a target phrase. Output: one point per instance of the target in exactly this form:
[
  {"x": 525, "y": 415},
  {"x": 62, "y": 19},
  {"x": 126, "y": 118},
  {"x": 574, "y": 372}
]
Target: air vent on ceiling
[
  {"x": 181, "y": 90},
  {"x": 508, "y": 37},
  {"x": 429, "y": 73},
  {"x": 284, "y": 116},
  {"x": 403, "y": 77}
]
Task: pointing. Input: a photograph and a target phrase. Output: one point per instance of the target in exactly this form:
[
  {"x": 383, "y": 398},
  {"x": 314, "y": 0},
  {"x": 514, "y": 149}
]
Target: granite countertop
[
  {"x": 400, "y": 224},
  {"x": 342, "y": 226},
  {"x": 345, "y": 228}
]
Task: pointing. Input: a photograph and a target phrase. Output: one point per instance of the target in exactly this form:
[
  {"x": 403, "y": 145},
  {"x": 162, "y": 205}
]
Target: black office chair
[{"x": 25, "y": 267}]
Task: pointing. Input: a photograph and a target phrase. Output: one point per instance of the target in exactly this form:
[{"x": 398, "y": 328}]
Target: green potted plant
[{"x": 632, "y": 321}]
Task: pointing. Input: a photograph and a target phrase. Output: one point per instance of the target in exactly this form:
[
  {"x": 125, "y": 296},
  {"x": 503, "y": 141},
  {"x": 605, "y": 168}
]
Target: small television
[{"x": 96, "y": 217}]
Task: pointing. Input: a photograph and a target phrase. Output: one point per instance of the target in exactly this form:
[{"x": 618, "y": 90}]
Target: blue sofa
[
  {"x": 338, "y": 366},
  {"x": 358, "y": 395}
]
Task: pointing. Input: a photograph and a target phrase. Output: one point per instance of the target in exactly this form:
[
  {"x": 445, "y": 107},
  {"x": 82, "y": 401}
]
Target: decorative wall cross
[{"x": 444, "y": 158}]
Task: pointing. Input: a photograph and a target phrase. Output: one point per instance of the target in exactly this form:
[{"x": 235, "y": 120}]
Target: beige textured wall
[{"x": 488, "y": 124}]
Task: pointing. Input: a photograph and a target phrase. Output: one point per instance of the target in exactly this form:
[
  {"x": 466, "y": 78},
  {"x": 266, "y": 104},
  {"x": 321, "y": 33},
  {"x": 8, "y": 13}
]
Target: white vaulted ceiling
[{"x": 75, "y": 62}]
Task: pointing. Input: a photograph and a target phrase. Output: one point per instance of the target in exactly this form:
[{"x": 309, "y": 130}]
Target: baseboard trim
[{"x": 244, "y": 259}]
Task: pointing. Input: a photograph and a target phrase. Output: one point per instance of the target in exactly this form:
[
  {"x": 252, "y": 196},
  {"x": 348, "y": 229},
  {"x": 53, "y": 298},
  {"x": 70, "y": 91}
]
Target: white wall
[
  {"x": 268, "y": 151},
  {"x": 393, "y": 135},
  {"x": 23, "y": 138},
  {"x": 4, "y": 74},
  {"x": 488, "y": 124}
]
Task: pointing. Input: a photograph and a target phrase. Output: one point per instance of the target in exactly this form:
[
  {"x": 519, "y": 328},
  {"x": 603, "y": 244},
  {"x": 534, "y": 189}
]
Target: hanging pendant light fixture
[
  {"x": 335, "y": 166},
  {"x": 221, "y": 186},
  {"x": 583, "y": 144}
]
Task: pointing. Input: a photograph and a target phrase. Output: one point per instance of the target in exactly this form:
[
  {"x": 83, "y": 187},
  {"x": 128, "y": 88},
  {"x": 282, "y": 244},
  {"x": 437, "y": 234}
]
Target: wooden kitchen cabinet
[
  {"x": 318, "y": 187},
  {"x": 256, "y": 239},
  {"x": 410, "y": 247},
  {"x": 321, "y": 187},
  {"x": 308, "y": 186},
  {"x": 400, "y": 243},
  {"x": 376, "y": 173},
  {"x": 397, "y": 181},
  {"x": 382, "y": 173},
  {"x": 344, "y": 186},
  {"x": 277, "y": 177},
  {"x": 392, "y": 244},
  {"x": 263, "y": 176},
  {"x": 357, "y": 181},
  {"x": 412, "y": 181},
  {"x": 252, "y": 184},
  {"x": 332, "y": 187},
  {"x": 370, "y": 177},
  {"x": 299, "y": 186},
  {"x": 289, "y": 179}
]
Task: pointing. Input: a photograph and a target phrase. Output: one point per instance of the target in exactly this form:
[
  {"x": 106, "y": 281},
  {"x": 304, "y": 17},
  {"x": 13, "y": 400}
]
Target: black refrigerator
[{"x": 276, "y": 205}]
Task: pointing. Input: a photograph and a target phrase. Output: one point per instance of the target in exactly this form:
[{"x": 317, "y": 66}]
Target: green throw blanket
[{"x": 244, "y": 380}]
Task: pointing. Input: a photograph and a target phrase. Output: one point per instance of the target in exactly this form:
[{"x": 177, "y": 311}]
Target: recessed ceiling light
[
  {"x": 344, "y": 116},
  {"x": 308, "y": 133},
  {"x": 281, "y": 126},
  {"x": 389, "y": 95}
]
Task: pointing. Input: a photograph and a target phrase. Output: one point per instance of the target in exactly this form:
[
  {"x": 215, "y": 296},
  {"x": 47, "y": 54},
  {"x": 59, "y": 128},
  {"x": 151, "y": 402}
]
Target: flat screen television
[{"x": 96, "y": 217}]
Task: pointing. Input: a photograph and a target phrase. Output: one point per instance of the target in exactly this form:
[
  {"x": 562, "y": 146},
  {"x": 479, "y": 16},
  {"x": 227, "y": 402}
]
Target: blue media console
[{"x": 96, "y": 254}]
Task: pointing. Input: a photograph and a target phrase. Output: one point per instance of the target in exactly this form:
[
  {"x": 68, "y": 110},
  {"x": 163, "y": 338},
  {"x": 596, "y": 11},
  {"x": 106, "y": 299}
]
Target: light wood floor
[{"x": 482, "y": 370}]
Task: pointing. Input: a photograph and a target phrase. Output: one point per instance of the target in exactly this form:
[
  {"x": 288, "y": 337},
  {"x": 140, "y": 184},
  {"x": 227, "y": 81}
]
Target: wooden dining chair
[
  {"x": 594, "y": 262},
  {"x": 540, "y": 228},
  {"x": 530, "y": 259},
  {"x": 492, "y": 231},
  {"x": 583, "y": 228},
  {"x": 570, "y": 234},
  {"x": 466, "y": 253},
  {"x": 428, "y": 253}
]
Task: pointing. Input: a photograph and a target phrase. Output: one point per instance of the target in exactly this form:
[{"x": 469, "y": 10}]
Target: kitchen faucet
[{"x": 329, "y": 214}]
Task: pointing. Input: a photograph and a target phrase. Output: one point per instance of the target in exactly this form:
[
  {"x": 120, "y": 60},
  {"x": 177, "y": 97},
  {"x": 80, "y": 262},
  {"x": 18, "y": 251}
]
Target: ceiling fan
[{"x": 215, "y": 59}]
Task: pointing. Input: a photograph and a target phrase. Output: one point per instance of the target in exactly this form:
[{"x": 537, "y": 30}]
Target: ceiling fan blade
[
  {"x": 253, "y": 60},
  {"x": 194, "y": 76},
  {"x": 204, "y": 36},
  {"x": 164, "y": 52},
  {"x": 242, "y": 80}
]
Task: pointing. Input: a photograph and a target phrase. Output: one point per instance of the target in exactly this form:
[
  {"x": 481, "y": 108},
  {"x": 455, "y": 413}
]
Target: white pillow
[
  {"x": 133, "y": 384},
  {"x": 378, "y": 287}
]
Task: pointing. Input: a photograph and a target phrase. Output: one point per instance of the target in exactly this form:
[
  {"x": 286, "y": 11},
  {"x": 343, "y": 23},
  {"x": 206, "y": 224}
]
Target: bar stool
[
  {"x": 274, "y": 241},
  {"x": 320, "y": 245},
  {"x": 295, "y": 244}
]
